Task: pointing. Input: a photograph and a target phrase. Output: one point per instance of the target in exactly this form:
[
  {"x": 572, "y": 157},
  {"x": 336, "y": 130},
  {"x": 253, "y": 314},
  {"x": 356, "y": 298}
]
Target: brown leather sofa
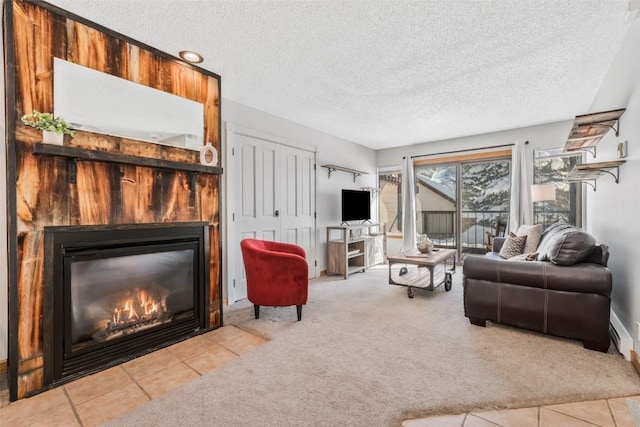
[{"x": 565, "y": 292}]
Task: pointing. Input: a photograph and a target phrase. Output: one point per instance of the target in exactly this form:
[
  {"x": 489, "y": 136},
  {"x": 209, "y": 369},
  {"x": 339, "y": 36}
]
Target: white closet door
[
  {"x": 273, "y": 198},
  {"x": 298, "y": 201},
  {"x": 257, "y": 183}
]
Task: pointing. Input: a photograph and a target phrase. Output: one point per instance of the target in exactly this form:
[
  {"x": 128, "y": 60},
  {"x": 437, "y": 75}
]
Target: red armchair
[{"x": 277, "y": 274}]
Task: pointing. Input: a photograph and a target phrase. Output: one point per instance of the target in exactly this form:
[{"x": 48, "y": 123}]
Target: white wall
[
  {"x": 613, "y": 210},
  {"x": 4, "y": 299},
  {"x": 540, "y": 136},
  {"x": 330, "y": 150}
]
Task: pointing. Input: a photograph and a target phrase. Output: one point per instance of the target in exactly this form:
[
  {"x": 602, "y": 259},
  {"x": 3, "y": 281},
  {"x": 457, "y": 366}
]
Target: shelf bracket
[
  {"x": 615, "y": 176},
  {"x": 588, "y": 150},
  {"x": 73, "y": 170},
  {"x": 330, "y": 170},
  {"x": 193, "y": 183},
  {"x": 590, "y": 182},
  {"x": 356, "y": 175}
]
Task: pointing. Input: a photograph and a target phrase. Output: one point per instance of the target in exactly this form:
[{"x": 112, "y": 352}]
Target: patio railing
[{"x": 440, "y": 226}]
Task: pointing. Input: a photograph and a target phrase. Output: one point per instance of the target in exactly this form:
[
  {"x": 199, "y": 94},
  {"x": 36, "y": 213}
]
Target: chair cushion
[
  {"x": 533, "y": 233},
  {"x": 514, "y": 245},
  {"x": 565, "y": 244}
]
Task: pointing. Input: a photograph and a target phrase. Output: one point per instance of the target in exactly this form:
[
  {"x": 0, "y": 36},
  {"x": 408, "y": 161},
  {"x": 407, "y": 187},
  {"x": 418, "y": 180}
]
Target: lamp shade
[{"x": 543, "y": 192}]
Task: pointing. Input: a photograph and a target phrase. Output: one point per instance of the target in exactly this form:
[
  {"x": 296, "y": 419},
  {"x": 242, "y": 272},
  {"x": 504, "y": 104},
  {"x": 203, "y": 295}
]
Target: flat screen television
[{"x": 356, "y": 205}]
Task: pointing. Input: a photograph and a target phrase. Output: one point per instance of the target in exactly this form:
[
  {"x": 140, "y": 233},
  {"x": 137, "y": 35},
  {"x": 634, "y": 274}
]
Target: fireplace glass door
[{"x": 115, "y": 296}]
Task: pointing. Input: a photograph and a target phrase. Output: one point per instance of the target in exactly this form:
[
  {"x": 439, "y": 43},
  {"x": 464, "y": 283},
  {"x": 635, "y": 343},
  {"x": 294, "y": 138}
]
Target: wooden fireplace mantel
[{"x": 119, "y": 158}]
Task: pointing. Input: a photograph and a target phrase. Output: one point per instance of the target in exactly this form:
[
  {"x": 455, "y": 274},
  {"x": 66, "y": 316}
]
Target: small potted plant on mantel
[{"x": 53, "y": 128}]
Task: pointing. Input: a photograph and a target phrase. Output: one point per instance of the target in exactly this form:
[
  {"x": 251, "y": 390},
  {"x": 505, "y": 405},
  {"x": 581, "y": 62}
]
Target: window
[
  {"x": 552, "y": 166},
  {"x": 390, "y": 199}
]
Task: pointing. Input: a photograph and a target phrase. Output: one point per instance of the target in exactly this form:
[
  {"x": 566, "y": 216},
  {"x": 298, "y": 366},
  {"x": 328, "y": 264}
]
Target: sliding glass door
[
  {"x": 485, "y": 203},
  {"x": 436, "y": 203},
  {"x": 459, "y": 204}
]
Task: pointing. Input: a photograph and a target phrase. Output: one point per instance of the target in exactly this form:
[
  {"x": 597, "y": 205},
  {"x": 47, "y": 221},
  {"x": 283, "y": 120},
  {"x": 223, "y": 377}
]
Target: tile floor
[
  {"x": 95, "y": 399},
  {"x": 602, "y": 413},
  {"x": 98, "y": 398}
]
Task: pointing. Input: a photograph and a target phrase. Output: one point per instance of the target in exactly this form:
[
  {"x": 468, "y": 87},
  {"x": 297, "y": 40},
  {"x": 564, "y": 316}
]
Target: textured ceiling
[{"x": 389, "y": 73}]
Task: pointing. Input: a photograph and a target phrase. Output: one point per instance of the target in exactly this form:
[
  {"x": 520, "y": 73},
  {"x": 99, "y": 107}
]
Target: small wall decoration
[
  {"x": 622, "y": 149},
  {"x": 208, "y": 155}
]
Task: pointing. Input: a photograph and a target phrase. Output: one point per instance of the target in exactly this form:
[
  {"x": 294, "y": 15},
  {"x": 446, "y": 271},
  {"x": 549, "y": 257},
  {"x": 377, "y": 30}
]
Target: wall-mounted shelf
[
  {"x": 589, "y": 129},
  {"x": 333, "y": 168},
  {"x": 370, "y": 189},
  {"x": 590, "y": 172},
  {"x": 76, "y": 153}
]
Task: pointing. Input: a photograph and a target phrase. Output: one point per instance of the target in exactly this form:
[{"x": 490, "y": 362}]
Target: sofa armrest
[
  {"x": 497, "y": 243},
  {"x": 583, "y": 278}
]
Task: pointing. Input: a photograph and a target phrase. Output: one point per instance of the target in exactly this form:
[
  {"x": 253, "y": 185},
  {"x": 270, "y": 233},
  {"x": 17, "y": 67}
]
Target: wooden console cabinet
[{"x": 354, "y": 248}]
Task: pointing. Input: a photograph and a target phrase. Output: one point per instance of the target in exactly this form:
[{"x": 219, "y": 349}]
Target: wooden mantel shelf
[{"x": 119, "y": 158}]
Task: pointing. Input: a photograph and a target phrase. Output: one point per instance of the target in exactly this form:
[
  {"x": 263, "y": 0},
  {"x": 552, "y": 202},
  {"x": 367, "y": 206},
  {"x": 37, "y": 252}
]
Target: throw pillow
[
  {"x": 565, "y": 244},
  {"x": 571, "y": 248},
  {"x": 514, "y": 245},
  {"x": 533, "y": 233}
]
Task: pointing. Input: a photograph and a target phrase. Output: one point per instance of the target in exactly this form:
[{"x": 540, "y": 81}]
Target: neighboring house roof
[{"x": 437, "y": 187}]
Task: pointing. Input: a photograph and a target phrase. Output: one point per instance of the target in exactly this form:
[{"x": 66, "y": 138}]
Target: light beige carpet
[{"x": 366, "y": 355}]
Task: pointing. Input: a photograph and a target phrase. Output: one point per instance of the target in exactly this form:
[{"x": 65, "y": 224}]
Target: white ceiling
[{"x": 389, "y": 73}]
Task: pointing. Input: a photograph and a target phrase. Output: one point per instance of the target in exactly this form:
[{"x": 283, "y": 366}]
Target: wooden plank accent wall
[{"x": 102, "y": 193}]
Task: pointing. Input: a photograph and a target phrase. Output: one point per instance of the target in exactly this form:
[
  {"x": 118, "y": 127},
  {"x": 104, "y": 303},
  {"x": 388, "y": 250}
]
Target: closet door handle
[{"x": 277, "y": 213}]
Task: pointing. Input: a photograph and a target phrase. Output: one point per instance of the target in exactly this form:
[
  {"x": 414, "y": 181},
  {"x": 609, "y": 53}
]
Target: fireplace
[{"x": 115, "y": 292}]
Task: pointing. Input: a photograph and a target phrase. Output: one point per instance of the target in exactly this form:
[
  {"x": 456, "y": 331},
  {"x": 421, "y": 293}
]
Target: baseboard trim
[
  {"x": 620, "y": 336},
  {"x": 3, "y": 366},
  {"x": 635, "y": 361}
]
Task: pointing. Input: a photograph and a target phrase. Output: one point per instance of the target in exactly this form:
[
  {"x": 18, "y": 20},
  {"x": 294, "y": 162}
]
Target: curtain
[
  {"x": 520, "y": 203},
  {"x": 408, "y": 205}
]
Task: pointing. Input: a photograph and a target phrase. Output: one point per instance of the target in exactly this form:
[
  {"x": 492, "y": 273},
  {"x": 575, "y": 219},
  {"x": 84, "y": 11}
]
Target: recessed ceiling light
[{"x": 190, "y": 56}]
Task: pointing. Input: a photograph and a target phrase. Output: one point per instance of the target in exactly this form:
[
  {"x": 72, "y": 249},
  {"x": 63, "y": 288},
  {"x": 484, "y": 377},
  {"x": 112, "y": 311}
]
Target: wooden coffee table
[{"x": 431, "y": 272}]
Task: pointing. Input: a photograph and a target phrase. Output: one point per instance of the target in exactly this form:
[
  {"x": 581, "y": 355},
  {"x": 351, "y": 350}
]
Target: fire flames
[{"x": 139, "y": 309}]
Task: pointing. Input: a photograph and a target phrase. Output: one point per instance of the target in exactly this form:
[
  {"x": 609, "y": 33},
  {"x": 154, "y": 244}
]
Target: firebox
[{"x": 119, "y": 291}]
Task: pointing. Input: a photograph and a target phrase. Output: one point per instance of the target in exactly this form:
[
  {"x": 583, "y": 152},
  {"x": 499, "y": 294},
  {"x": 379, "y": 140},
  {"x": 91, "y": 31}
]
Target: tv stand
[
  {"x": 354, "y": 248},
  {"x": 364, "y": 222}
]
